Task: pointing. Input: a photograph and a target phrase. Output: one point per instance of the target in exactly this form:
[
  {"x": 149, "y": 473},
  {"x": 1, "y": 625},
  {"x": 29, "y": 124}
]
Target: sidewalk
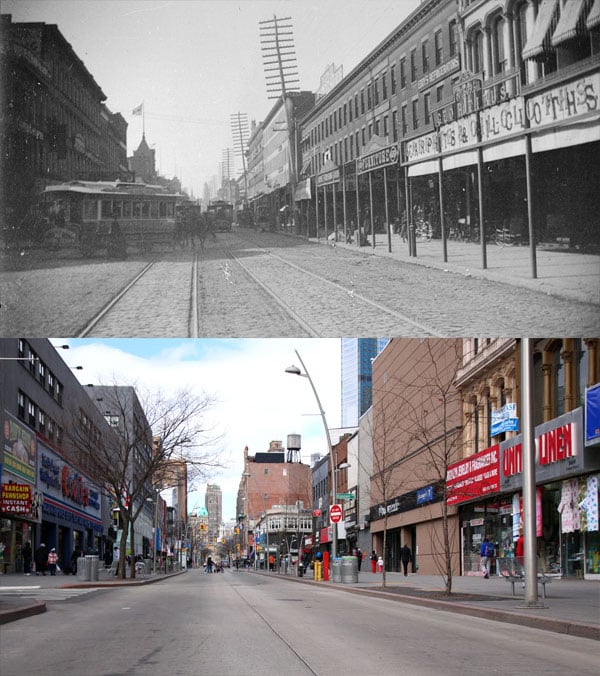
[
  {"x": 560, "y": 273},
  {"x": 571, "y": 606}
]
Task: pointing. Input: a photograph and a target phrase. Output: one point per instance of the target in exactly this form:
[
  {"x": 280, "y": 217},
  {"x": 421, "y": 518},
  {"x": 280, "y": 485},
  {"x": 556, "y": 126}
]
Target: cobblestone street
[{"x": 305, "y": 289}]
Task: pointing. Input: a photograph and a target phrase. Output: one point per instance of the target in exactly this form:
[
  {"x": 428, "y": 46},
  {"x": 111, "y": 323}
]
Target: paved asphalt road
[{"x": 241, "y": 623}]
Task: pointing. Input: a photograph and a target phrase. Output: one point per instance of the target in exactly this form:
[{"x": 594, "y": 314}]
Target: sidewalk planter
[
  {"x": 349, "y": 570},
  {"x": 82, "y": 571}
]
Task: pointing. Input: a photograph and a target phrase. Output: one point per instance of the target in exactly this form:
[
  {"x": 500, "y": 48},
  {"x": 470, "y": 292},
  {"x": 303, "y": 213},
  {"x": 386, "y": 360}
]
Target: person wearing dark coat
[
  {"x": 41, "y": 559},
  {"x": 27, "y": 554},
  {"x": 406, "y": 558},
  {"x": 74, "y": 556}
]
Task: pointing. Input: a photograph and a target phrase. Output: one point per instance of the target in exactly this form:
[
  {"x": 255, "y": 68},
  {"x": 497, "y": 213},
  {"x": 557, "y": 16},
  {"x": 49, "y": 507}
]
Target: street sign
[
  {"x": 345, "y": 496},
  {"x": 316, "y": 512},
  {"x": 335, "y": 513}
]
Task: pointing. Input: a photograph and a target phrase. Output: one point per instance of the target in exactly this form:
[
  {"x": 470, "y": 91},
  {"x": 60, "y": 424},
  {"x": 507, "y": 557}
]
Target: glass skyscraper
[{"x": 357, "y": 354}]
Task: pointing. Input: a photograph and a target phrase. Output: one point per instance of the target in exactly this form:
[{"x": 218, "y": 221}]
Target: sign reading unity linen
[{"x": 384, "y": 157}]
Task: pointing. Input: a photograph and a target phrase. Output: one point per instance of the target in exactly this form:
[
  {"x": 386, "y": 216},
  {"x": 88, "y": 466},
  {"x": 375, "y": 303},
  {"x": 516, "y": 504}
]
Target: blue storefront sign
[
  {"x": 505, "y": 420},
  {"x": 424, "y": 495},
  {"x": 592, "y": 415}
]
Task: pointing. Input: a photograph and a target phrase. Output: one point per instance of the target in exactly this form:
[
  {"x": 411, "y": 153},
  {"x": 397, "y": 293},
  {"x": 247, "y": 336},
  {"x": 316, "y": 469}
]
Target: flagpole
[{"x": 143, "y": 119}]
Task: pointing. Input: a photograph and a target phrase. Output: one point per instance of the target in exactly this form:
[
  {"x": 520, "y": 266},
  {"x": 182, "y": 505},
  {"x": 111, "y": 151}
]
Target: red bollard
[{"x": 326, "y": 566}]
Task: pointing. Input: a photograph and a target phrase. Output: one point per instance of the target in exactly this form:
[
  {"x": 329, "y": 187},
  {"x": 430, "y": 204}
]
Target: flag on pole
[{"x": 138, "y": 110}]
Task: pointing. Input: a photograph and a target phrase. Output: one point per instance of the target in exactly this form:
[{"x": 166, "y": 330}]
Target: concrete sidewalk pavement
[
  {"x": 561, "y": 273},
  {"x": 571, "y": 606}
]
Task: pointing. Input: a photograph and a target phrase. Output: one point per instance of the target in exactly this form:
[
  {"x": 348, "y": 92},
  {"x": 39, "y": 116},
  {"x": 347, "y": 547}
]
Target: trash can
[
  {"x": 349, "y": 569},
  {"x": 92, "y": 562},
  {"x": 148, "y": 565},
  {"x": 336, "y": 570},
  {"x": 82, "y": 571}
]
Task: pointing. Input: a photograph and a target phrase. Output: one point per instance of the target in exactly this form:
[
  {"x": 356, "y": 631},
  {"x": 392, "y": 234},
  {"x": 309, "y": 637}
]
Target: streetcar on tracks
[
  {"x": 109, "y": 215},
  {"x": 220, "y": 215}
]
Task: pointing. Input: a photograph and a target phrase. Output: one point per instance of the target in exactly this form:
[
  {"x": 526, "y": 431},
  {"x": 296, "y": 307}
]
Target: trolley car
[
  {"x": 220, "y": 215},
  {"x": 110, "y": 215}
]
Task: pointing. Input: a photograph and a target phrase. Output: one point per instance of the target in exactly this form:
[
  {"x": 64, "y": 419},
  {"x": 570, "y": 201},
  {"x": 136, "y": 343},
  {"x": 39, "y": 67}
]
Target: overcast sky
[
  {"x": 257, "y": 402},
  {"x": 194, "y": 63}
]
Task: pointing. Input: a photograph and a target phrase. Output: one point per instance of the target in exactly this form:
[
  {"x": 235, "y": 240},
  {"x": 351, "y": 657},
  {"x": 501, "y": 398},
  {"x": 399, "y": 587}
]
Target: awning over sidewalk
[
  {"x": 539, "y": 39},
  {"x": 423, "y": 168},
  {"x": 593, "y": 19},
  {"x": 571, "y": 22}
]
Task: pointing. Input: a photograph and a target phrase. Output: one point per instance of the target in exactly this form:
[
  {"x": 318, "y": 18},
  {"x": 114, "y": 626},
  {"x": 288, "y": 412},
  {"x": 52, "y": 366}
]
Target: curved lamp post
[{"x": 294, "y": 370}]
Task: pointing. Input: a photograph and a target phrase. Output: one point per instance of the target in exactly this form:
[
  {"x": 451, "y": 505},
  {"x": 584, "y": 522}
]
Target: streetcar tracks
[{"x": 108, "y": 307}]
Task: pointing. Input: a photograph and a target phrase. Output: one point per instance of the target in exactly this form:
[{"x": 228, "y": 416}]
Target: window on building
[
  {"x": 50, "y": 433},
  {"x": 477, "y": 51},
  {"x": 386, "y": 130},
  {"x": 59, "y": 392},
  {"x": 356, "y": 105},
  {"x": 42, "y": 422},
  {"x": 427, "y": 108},
  {"x": 42, "y": 373},
  {"x": 31, "y": 414},
  {"x": 384, "y": 90},
  {"x": 345, "y": 114},
  {"x": 350, "y": 110},
  {"x": 439, "y": 50},
  {"x": 362, "y": 101},
  {"x": 376, "y": 92},
  {"x": 413, "y": 65},
  {"x": 415, "y": 113},
  {"x": 404, "y": 119},
  {"x": 357, "y": 136},
  {"x": 439, "y": 93},
  {"x": 363, "y": 133},
  {"x": 452, "y": 38},
  {"x": 21, "y": 348},
  {"x": 370, "y": 130},
  {"x": 402, "y": 73},
  {"x": 498, "y": 30},
  {"x": 21, "y": 405},
  {"x": 425, "y": 55},
  {"x": 394, "y": 126},
  {"x": 393, "y": 79},
  {"x": 369, "y": 98}
]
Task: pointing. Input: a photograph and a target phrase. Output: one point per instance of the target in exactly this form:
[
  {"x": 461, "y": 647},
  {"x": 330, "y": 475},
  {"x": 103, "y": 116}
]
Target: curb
[
  {"x": 570, "y": 627},
  {"x": 33, "y": 608}
]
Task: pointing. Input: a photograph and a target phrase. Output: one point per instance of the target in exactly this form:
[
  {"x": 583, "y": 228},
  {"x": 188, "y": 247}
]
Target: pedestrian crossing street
[{"x": 43, "y": 594}]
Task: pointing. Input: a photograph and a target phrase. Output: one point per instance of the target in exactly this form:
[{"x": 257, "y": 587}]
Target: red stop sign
[{"x": 335, "y": 513}]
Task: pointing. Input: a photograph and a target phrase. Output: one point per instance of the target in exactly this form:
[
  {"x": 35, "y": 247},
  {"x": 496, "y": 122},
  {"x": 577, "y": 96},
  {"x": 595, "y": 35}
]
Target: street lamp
[{"x": 294, "y": 370}]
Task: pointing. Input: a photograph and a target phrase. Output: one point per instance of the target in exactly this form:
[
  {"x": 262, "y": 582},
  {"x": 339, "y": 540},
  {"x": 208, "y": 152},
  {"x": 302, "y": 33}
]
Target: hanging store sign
[
  {"x": 424, "y": 495},
  {"x": 568, "y": 102},
  {"x": 592, "y": 415},
  {"x": 439, "y": 73},
  {"x": 475, "y": 477},
  {"x": 422, "y": 148},
  {"x": 505, "y": 420},
  {"x": 15, "y": 498},
  {"x": 459, "y": 135},
  {"x": 383, "y": 157}
]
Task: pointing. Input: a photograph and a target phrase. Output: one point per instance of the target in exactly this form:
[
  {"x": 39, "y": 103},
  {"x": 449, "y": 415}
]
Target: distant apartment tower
[
  {"x": 213, "y": 501},
  {"x": 357, "y": 355}
]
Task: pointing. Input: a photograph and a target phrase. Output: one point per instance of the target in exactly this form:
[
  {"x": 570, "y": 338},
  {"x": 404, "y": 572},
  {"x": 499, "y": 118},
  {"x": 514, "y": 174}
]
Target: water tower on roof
[{"x": 293, "y": 447}]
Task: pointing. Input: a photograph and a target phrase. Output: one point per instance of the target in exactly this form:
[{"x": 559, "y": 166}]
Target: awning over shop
[
  {"x": 593, "y": 19},
  {"x": 459, "y": 160},
  {"x": 500, "y": 151},
  {"x": 567, "y": 136},
  {"x": 423, "y": 168},
  {"x": 303, "y": 191},
  {"x": 539, "y": 39},
  {"x": 570, "y": 24}
]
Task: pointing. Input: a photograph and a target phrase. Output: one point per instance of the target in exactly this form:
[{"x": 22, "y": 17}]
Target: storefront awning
[
  {"x": 593, "y": 19},
  {"x": 459, "y": 160},
  {"x": 423, "y": 168},
  {"x": 567, "y": 136},
  {"x": 540, "y": 36},
  {"x": 570, "y": 24},
  {"x": 500, "y": 151}
]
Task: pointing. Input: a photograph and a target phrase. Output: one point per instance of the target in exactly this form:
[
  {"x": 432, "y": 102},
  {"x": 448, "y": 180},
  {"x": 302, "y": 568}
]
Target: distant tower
[
  {"x": 213, "y": 500},
  {"x": 357, "y": 376},
  {"x": 293, "y": 447},
  {"x": 142, "y": 162}
]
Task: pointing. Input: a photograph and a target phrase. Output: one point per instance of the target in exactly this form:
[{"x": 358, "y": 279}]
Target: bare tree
[{"x": 153, "y": 435}]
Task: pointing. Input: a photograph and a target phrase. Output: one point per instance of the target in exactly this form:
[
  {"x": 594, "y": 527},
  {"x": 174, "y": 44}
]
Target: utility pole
[
  {"x": 240, "y": 132},
  {"x": 227, "y": 165},
  {"x": 281, "y": 74}
]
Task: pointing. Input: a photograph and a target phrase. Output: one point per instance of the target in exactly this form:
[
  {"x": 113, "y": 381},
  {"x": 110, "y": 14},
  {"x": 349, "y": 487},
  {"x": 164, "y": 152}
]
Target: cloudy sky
[
  {"x": 194, "y": 63},
  {"x": 256, "y": 401}
]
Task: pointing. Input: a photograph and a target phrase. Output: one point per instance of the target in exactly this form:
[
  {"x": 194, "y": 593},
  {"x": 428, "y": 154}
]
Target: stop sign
[{"x": 335, "y": 513}]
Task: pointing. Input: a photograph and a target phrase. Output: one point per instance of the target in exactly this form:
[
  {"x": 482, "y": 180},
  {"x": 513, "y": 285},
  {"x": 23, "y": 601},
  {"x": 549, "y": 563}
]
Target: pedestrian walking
[
  {"x": 405, "y": 557},
  {"x": 73, "y": 562},
  {"x": 486, "y": 552},
  {"x": 209, "y": 565},
  {"x": 52, "y": 561},
  {"x": 359, "y": 558},
  {"x": 41, "y": 559},
  {"x": 27, "y": 555},
  {"x": 271, "y": 562},
  {"x": 373, "y": 558},
  {"x": 380, "y": 565}
]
